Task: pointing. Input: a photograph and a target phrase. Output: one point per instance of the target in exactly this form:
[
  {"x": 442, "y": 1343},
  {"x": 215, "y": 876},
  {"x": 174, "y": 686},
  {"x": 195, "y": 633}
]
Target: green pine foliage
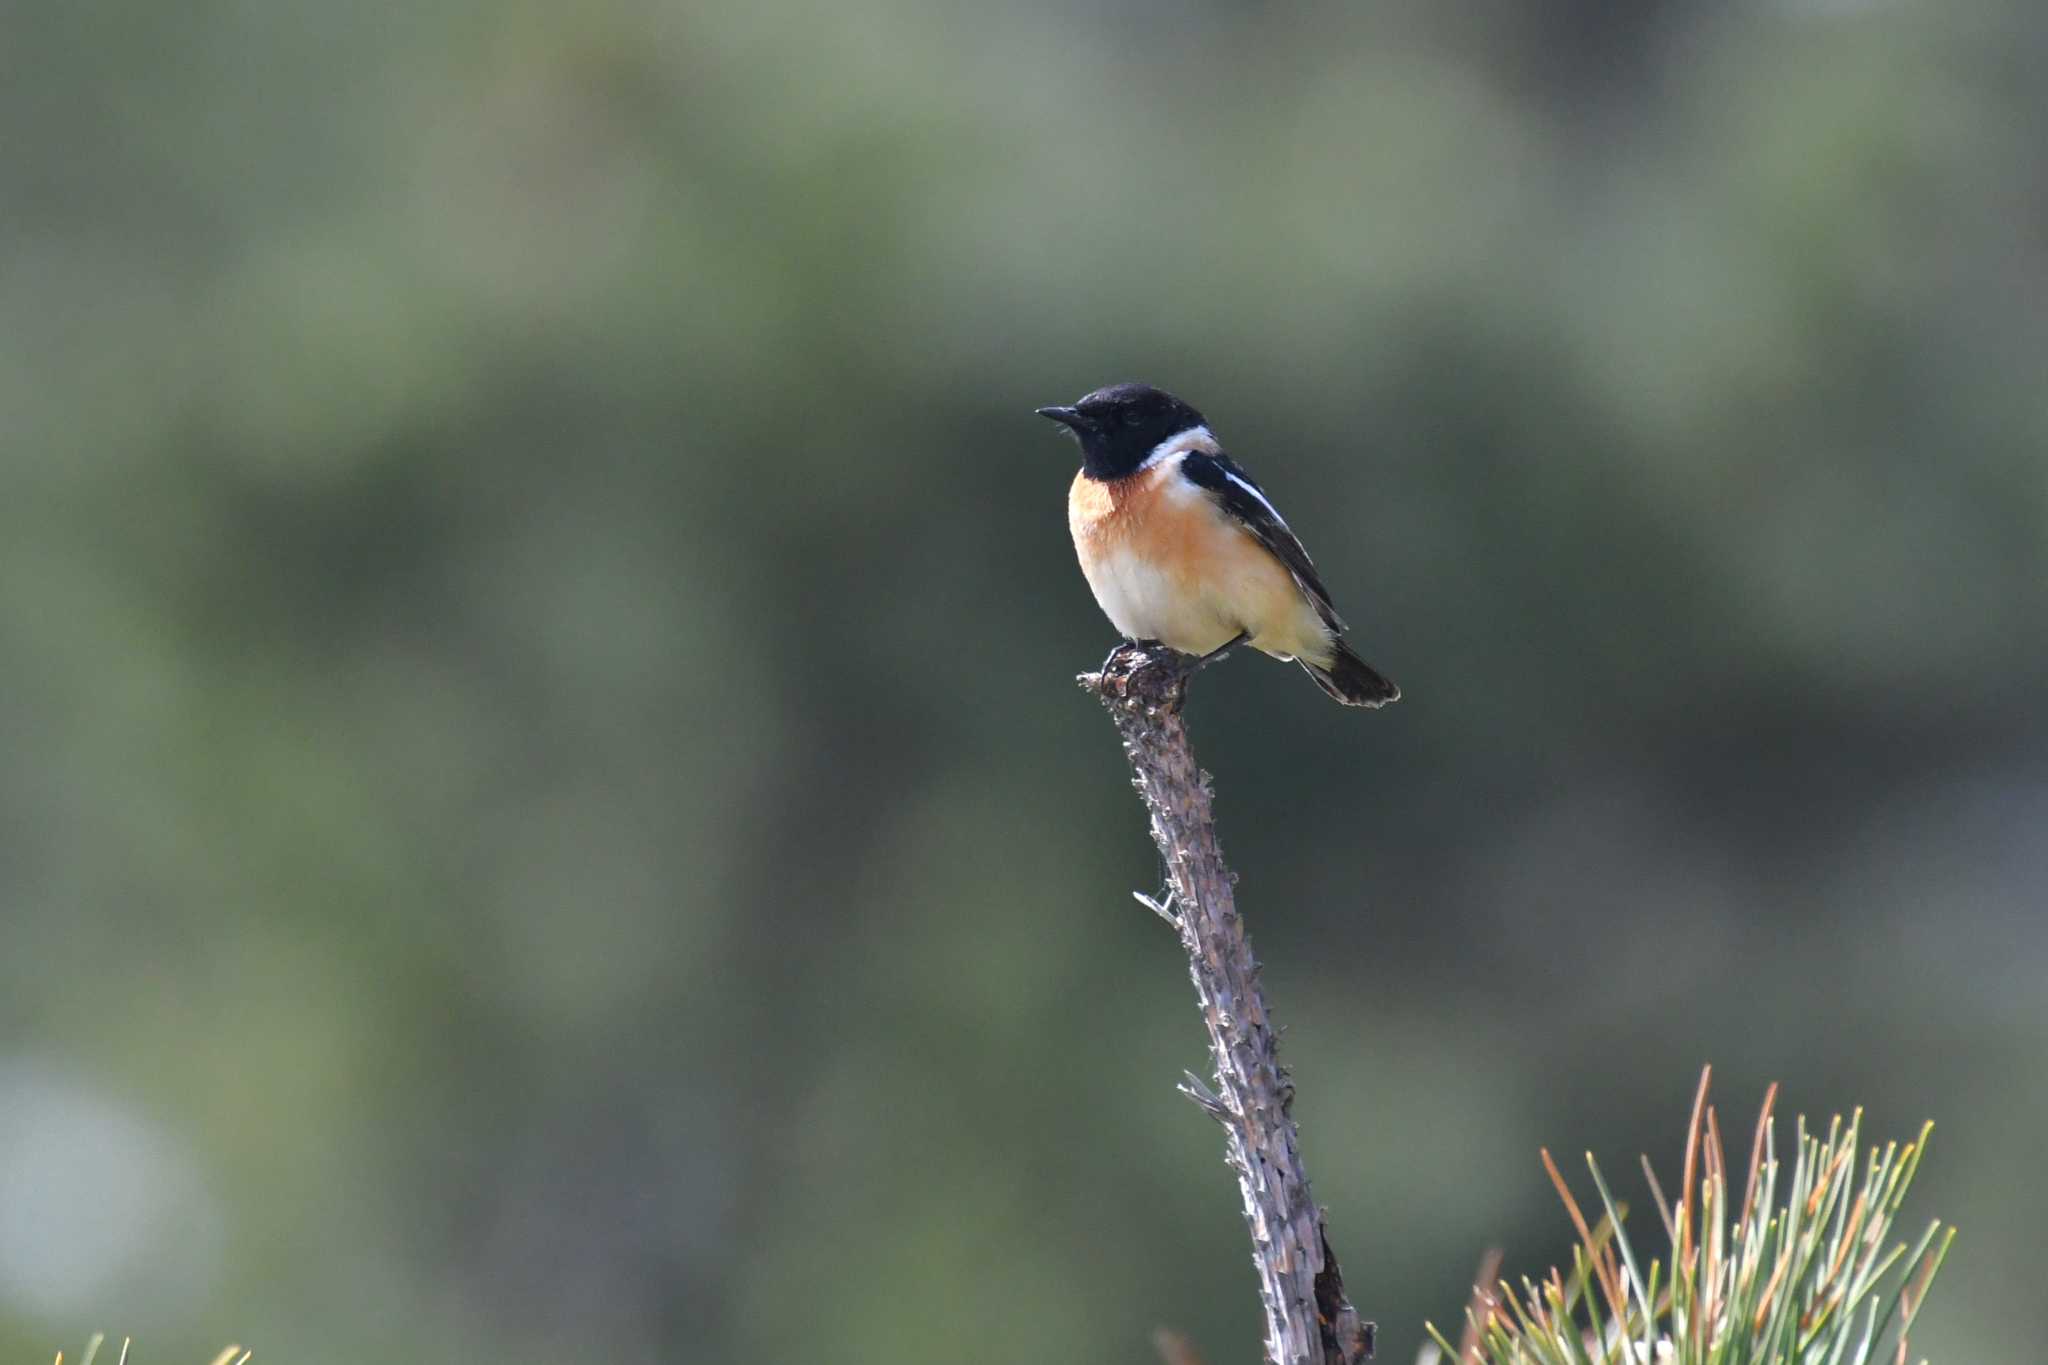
[{"x": 1803, "y": 1271}]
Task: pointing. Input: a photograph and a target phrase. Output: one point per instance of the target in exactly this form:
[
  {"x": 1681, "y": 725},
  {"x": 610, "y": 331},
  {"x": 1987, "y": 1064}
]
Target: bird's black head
[{"x": 1120, "y": 425}]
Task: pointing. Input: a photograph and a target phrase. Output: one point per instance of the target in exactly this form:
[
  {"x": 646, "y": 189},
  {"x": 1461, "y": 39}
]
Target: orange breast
[
  {"x": 1099, "y": 514},
  {"x": 1159, "y": 516}
]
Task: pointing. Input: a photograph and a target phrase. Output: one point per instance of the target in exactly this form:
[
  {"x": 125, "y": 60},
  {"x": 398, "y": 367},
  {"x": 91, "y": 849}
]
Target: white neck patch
[{"x": 1180, "y": 443}]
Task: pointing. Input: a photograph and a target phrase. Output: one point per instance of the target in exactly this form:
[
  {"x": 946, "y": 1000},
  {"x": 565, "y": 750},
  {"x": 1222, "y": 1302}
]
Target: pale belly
[{"x": 1238, "y": 588}]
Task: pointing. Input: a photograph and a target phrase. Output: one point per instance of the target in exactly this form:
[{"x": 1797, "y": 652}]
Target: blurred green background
[{"x": 544, "y": 809}]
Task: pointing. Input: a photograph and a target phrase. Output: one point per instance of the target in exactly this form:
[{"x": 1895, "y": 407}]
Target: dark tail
[{"x": 1351, "y": 680}]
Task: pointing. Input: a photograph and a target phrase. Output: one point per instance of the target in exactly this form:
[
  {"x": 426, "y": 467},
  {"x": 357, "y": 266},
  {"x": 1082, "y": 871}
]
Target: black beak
[{"x": 1066, "y": 417}]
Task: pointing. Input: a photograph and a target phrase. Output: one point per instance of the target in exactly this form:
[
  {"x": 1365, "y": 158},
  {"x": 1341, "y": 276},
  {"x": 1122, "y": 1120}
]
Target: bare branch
[
  {"x": 1308, "y": 1319},
  {"x": 1162, "y": 908}
]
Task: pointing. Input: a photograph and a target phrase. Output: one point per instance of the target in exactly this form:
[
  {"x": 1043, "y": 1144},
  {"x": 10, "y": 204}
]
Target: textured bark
[{"x": 1308, "y": 1319}]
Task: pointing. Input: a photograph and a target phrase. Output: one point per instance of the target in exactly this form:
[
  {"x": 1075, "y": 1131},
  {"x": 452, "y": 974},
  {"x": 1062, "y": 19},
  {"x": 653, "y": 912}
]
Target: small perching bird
[{"x": 1183, "y": 549}]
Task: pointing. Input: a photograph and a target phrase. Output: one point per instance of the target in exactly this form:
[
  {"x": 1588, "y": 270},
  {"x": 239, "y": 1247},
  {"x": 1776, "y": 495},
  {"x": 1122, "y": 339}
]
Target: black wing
[{"x": 1244, "y": 500}]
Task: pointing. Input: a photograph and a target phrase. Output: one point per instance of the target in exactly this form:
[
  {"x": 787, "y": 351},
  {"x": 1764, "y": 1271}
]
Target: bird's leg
[{"x": 1204, "y": 660}]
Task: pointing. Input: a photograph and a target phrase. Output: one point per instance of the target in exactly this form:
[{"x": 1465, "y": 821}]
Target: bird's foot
[
  {"x": 1130, "y": 655},
  {"x": 1154, "y": 671}
]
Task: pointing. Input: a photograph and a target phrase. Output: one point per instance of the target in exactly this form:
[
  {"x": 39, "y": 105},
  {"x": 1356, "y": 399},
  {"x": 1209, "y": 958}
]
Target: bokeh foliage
[{"x": 545, "y": 811}]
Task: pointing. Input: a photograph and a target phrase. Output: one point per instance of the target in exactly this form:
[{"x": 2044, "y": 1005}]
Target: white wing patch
[{"x": 1263, "y": 500}]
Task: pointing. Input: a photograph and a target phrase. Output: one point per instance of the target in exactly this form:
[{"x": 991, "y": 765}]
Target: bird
[{"x": 1182, "y": 548}]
